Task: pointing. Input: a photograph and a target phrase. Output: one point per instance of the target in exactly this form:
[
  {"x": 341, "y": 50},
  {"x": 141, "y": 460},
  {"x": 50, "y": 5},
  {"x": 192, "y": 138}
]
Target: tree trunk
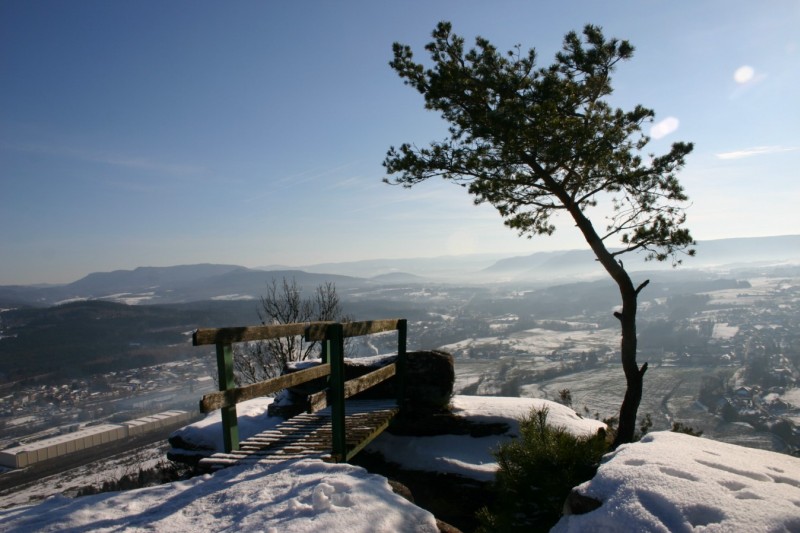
[{"x": 634, "y": 376}]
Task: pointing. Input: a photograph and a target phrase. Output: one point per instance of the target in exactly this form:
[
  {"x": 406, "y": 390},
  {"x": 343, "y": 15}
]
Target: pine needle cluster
[{"x": 537, "y": 472}]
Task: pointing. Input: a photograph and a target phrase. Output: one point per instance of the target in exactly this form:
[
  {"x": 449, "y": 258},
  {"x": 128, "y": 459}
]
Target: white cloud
[
  {"x": 744, "y": 74},
  {"x": 756, "y": 150},
  {"x": 664, "y": 128}
]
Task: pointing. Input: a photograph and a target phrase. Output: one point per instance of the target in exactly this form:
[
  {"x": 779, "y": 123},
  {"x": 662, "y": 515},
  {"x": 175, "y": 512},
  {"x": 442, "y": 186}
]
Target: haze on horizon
[{"x": 155, "y": 134}]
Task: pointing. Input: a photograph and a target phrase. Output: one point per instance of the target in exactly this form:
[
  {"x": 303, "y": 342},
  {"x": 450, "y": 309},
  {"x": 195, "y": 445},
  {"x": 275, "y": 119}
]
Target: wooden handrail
[
  {"x": 250, "y": 333},
  {"x": 226, "y": 398},
  {"x": 319, "y": 400},
  {"x": 317, "y": 331},
  {"x": 313, "y": 331},
  {"x": 333, "y": 335}
]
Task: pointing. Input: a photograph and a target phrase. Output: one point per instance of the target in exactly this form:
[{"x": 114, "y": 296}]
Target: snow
[
  {"x": 543, "y": 341},
  {"x": 128, "y": 298},
  {"x": 724, "y": 331},
  {"x": 22, "y": 420},
  {"x": 792, "y": 396},
  {"x": 448, "y": 454},
  {"x": 233, "y": 297},
  {"x": 304, "y": 496},
  {"x": 666, "y": 482},
  {"x": 251, "y": 417},
  {"x": 675, "y": 482},
  {"x": 489, "y": 409},
  {"x": 375, "y": 361},
  {"x": 472, "y": 457}
]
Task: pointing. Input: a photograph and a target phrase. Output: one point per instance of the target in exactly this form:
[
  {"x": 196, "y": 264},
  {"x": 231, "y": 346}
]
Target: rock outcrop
[{"x": 429, "y": 382}]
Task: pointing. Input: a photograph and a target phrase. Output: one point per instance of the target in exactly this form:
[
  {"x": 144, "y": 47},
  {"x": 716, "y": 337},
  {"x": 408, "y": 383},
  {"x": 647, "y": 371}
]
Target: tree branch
[{"x": 642, "y": 286}]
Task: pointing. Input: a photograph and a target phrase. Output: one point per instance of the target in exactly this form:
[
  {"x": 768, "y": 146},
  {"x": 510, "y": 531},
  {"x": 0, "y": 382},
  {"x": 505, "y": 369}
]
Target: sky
[
  {"x": 252, "y": 133},
  {"x": 665, "y": 482}
]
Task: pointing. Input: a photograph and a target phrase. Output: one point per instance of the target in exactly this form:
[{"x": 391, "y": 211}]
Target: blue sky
[{"x": 160, "y": 133}]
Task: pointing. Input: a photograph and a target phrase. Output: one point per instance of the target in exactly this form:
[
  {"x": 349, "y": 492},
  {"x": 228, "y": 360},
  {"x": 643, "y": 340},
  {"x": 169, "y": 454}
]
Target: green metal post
[
  {"x": 401, "y": 363},
  {"x": 335, "y": 340},
  {"x": 230, "y": 425}
]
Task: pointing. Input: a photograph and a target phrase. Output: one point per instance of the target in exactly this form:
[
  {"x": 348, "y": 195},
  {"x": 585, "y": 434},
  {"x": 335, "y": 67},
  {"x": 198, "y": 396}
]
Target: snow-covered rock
[
  {"x": 305, "y": 496},
  {"x": 674, "y": 482},
  {"x": 472, "y": 457}
]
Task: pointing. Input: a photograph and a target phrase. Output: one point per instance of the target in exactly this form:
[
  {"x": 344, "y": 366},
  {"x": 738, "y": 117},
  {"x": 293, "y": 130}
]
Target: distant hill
[
  {"x": 556, "y": 264},
  {"x": 398, "y": 277},
  {"x": 565, "y": 265},
  {"x": 84, "y": 337},
  {"x": 722, "y": 253},
  {"x": 144, "y": 278},
  {"x": 747, "y": 251},
  {"x": 187, "y": 283},
  {"x": 456, "y": 268},
  {"x": 169, "y": 285}
]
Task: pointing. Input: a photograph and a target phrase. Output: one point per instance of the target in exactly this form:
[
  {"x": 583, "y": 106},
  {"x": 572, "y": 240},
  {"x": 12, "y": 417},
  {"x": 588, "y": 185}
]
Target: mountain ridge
[{"x": 209, "y": 281}]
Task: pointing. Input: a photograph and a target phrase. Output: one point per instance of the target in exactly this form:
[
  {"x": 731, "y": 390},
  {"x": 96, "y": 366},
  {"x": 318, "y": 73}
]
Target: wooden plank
[
  {"x": 367, "y": 327},
  {"x": 226, "y": 398},
  {"x": 368, "y": 420},
  {"x": 362, "y": 383},
  {"x": 249, "y": 333},
  {"x": 316, "y": 332},
  {"x": 371, "y": 436},
  {"x": 319, "y": 400}
]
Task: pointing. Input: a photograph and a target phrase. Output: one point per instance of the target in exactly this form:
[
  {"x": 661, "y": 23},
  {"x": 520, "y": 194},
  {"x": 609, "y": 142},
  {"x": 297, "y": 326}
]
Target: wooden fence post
[
  {"x": 335, "y": 338},
  {"x": 230, "y": 425},
  {"x": 402, "y": 361},
  {"x": 323, "y": 352}
]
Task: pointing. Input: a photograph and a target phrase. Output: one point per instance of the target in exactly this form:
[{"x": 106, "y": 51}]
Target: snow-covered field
[
  {"x": 759, "y": 289},
  {"x": 542, "y": 341},
  {"x": 724, "y": 331},
  {"x": 666, "y": 482},
  {"x": 792, "y": 396},
  {"x": 670, "y": 395}
]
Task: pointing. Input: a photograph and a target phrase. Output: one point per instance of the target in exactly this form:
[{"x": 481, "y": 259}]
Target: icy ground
[{"x": 667, "y": 482}]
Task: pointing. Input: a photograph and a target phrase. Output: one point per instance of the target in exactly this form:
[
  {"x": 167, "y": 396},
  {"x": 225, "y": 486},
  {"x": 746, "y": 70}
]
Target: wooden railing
[{"x": 332, "y": 335}]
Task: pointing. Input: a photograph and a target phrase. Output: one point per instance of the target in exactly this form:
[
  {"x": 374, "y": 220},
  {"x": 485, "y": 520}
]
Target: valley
[{"x": 722, "y": 344}]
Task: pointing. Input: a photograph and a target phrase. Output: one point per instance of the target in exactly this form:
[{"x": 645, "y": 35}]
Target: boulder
[{"x": 429, "y": 382}]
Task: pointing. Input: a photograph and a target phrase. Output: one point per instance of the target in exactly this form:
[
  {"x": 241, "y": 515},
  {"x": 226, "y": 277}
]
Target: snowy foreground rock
[
  {"x": 667, "y": 482},
  {"x": 674, "y": 482},
  {"x": 306, "y": 496}
]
